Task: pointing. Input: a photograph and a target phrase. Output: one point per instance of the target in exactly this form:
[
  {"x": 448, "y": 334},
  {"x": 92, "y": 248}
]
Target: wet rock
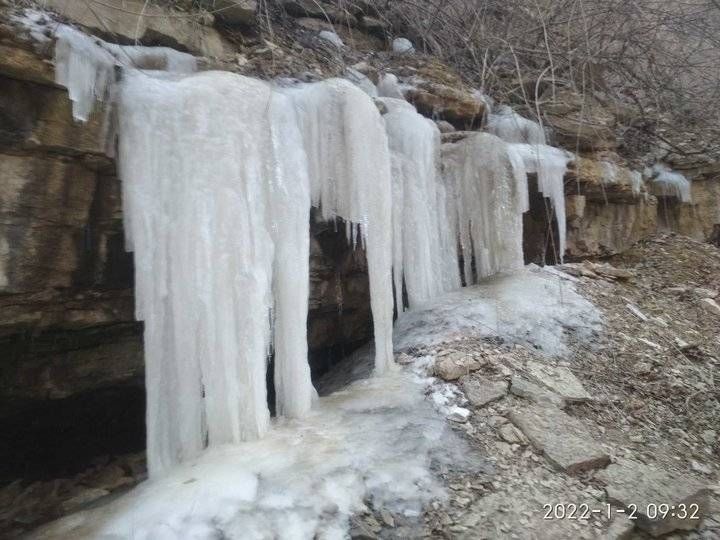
[
  {"x": 523, "y": 388},
  {"x": 82, "y": 499},
  {"x": 559, "y": 380},
  {"x": 563, "y": 439},
  {"x": 631, "y": 483},
  {"x": 481, "y": 391}
]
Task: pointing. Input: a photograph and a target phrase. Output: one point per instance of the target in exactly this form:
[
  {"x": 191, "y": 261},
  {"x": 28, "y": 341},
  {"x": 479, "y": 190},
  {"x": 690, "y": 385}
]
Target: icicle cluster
[
  {"x": 669, "y": 183},
  {"x": 488, "y": 194},
  {"x": 219, "y": 174},
  {"x": 424, "y": 248},
  {"x": 85, "y": 66}
]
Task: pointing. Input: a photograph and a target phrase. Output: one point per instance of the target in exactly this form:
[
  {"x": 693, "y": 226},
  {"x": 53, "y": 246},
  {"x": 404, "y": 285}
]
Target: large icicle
[
  {"x": 290, "y": 215},
  {"x": 488, "y": 197},
  {"x": 550, "y": 165},
  {"x": 350, "y": 177},
  {"x": 424, "y": 251},
  {"x": 196, "y": 162}
]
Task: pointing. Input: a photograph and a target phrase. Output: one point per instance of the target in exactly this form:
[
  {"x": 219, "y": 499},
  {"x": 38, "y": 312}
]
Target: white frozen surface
[
  {"x": 532, "y": 307},
  {"x": 350, "y": 177},
  {"x": 403, "y": 46},
  {"x": 85, "y": 65},
  {"x": 371, "y": 441}
]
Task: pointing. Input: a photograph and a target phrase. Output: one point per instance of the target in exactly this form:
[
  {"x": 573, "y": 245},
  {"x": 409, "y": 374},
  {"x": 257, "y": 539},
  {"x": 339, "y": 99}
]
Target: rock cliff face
[{"x": 66, "y": 284}]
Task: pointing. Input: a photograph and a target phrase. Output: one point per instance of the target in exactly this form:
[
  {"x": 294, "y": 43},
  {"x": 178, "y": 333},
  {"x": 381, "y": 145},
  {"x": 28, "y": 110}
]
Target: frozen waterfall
[{"x": 219, "y": 173}]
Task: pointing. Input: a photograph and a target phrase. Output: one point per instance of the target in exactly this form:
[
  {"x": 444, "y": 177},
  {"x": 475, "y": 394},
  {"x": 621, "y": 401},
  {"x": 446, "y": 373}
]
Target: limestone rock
[
  {"x": 563, "y": 439},
  {"x": 82, "y": 499},
  {"x": 453, "y": 366},
  {"x": 580, "y": 122},
  {"x": 558, "y": 379},
  {"x": 523, "y": 388},
  {"x": 710, "y": 306},
  {"x": 235, "y": 12},
  {"x": 434, "y": 100},
  {"x": 459, "y": 414},
  {"x": 481, "y": 391},
  {"x": 157, "y": 26},
  {"x": 701, "y": 292},
  {"x": 445, "y": 126},
  {"x": 373, "y": 25},
  {"x": 631, "y": 483}
]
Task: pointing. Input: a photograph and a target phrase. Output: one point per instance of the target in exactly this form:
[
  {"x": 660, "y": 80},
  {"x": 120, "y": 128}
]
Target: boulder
[
  {"x": 481, "y": 391},
  {"x": 642, "y": 488},
  {"x": 558, "y": 379},
  {"x": 460, "y": 108},
  {"x": 235, "y": 12}
]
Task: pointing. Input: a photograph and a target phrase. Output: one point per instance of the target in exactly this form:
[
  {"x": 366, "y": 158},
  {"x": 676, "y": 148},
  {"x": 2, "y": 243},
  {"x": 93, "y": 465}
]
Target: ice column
[
  {"x": 350, "y": 177},
  {"x": 424, "y": 249}
]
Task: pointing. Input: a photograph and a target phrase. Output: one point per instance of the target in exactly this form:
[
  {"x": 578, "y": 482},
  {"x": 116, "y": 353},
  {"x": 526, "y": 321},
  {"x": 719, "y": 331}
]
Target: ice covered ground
[
  {"x": 533, "y": 306},
  {"x": 374, "y": 440}
]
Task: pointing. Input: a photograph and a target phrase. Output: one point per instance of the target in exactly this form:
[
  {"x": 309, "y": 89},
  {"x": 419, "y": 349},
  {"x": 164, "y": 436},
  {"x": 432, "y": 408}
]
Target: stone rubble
[{"x": 646, "y": 487}]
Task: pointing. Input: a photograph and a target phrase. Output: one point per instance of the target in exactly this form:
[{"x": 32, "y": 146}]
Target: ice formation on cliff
[
  {"x": 513, "y": 128},
  {"x": 425, "y": 252},
  {"x": 669, "y": 183},
  {"x": 487, "y": 195},
  {"x": 219, "y": 173},
  {"x": 86, "y": 65}
]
